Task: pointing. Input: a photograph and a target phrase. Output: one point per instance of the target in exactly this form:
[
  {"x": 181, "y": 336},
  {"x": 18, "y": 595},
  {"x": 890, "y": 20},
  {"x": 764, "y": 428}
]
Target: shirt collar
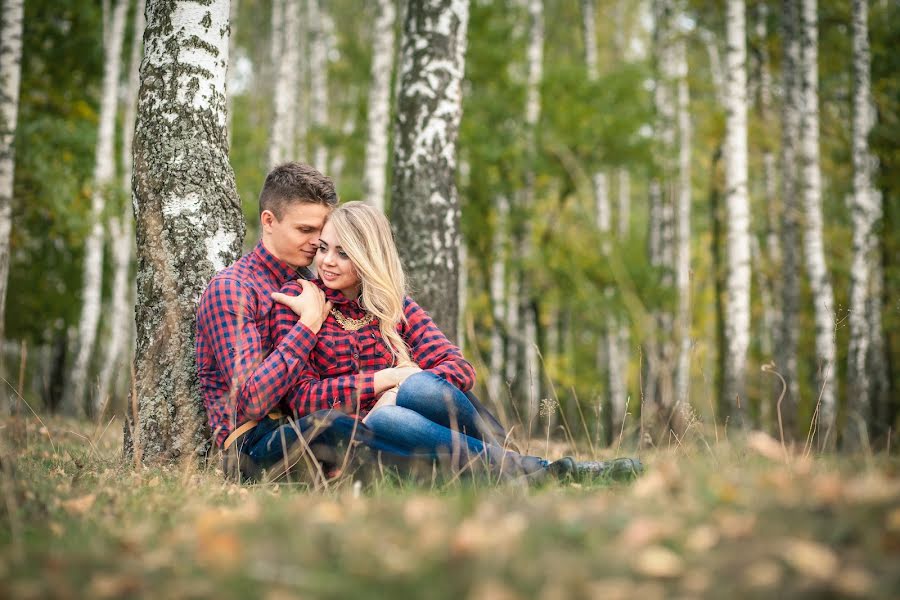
[
  {"x": 336, "y": 297},
  {"x": 280, "y": 269}
]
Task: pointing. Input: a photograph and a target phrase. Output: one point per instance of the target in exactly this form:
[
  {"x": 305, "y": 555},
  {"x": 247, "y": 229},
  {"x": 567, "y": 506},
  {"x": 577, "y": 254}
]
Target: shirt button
[{"x": 356, "y": 355}]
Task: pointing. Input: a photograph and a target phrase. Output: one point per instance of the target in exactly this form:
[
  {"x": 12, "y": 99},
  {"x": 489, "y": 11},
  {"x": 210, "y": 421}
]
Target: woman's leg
[
  {"x": 417, "y": 433},
  {"x": 443, "y": 403}
]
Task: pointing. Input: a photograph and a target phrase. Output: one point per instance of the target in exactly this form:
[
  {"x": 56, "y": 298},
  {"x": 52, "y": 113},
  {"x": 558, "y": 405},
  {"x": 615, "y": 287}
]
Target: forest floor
[{"x": 729, "y": 519}]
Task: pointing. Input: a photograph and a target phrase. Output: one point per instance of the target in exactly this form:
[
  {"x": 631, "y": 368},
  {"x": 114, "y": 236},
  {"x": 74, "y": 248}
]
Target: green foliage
[{"x": 61, "y": 71}]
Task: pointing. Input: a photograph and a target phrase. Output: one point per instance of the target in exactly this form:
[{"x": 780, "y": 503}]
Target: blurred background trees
[{"x": 598, "y": 228}]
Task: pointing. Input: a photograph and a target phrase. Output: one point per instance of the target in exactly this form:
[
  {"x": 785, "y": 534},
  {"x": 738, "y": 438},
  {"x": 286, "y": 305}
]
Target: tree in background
[
  {"x": 813, "y": 240},
  {"x": 865, "y": 211},
  {"x": 189, "y": 219},
  {"x": 787, "y": 360},
  {"x": 424, "y": 202},
  {"x": 103, "y": 182},
  {"x": 121, "y": 230},
  {"x": 737, "y": 213},
  {"x": 379, "y": 107},
  {"x": 287, "y": 47},
  {"x": 10, "y": 76}
]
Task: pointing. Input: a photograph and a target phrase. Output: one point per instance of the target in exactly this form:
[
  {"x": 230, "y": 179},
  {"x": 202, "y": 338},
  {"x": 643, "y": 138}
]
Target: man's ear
[{"x": 266, "y": 218}]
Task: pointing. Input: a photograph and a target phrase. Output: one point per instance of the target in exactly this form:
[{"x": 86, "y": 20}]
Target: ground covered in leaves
[{"x": 729, "y": 519}]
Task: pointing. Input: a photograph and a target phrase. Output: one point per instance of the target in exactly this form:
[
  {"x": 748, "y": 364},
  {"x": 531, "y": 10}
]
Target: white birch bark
[
  {"x": 379, "y": 107},
  {"x": 282, "y": 143},
  {"x": 318, "y": 80},
  {"x": 589, "y": 34},
  {"x": 624, "y": 204},
  {"x": 864, "y": 213},
  {"x": 497, "y": 285},
  {"x": 121, "y": 230},
  {"x": 11, "y": 23},
  {"x": 813, "y": 242},
  {"x": 233, "y": 13},
  {"x": 425, "y": 206},
  {"x": 683, "y": 231},
  {"x": 188, "y": 216},
  {"x": 789, "y": 235},
  {"x": 104, "y": 171},
  {"x": 737, "y": 213},
  {"x": 534, "y": 56}
]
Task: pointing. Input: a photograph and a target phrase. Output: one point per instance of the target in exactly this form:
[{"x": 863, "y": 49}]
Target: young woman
[{"x": 380, "y": 358}]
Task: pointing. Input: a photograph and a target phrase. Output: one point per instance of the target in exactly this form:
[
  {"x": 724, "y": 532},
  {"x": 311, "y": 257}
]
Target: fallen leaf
[
  {"x": 642, "y": 531},
  {"x": 657, "y": 561},
  {"x": 810, "y": 558}
]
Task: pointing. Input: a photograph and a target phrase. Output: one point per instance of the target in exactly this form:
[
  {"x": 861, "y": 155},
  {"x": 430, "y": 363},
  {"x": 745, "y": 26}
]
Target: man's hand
[{"x": 310, "y": 305}]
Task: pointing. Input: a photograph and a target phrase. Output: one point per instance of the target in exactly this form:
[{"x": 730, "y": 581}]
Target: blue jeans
[
  {"x": 434, "y": 417},
  {"x": 433, "y": 422}
]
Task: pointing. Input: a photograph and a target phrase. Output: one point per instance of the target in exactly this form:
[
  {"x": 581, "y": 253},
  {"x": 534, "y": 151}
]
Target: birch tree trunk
[
  {"x": 497, "y": 286},
  {"x": 528, "y": 306},
  {"x": 11, "y": 22},
  {"x": 233, "y": 13},
  {"x": 121, "y": 230},
  {"x": 425, "y": 206},
  {"x": 609, "y": 360},
  {"x": 104, "y": 171},
  {"x": 379, "y": 108},
  {"x": 813, "y": 243},
  {"x": 189, "y": 219},
  {"x": 660, "y": 355},
  {"x": 864, "y": 213},
  {"x": 282, "y": 143},
  {"x": 683, "y": 239},
  {"x": 318, "y": 81},
  {"x": 790, "y": 243},
  {"x": 737, "y": 213}
]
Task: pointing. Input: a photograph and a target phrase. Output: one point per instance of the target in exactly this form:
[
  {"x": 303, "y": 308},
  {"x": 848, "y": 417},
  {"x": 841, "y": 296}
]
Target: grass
[{"x": 733, "y": 519}]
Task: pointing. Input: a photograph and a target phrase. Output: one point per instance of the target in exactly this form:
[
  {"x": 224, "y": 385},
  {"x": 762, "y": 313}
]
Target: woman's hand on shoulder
[{"x": 310, "y": 305}]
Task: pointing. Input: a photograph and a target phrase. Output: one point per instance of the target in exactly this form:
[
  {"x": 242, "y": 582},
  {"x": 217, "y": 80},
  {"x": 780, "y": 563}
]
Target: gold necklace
[{"x": 352, "y": 324}]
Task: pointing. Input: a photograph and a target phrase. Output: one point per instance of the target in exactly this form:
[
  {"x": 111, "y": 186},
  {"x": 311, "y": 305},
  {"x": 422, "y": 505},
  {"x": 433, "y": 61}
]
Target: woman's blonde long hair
[{"x": 365, "y": 235}]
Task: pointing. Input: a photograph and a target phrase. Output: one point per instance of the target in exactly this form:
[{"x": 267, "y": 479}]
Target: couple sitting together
[{"x": 301, "y": 373}]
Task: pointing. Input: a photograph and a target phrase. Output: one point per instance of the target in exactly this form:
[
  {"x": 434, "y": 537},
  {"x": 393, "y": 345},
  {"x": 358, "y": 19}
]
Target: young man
[{"x": 242, "y": 376}]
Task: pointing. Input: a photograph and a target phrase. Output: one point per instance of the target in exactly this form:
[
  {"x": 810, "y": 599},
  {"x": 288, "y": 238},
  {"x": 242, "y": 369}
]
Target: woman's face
[{"x": 334, "y": 266}]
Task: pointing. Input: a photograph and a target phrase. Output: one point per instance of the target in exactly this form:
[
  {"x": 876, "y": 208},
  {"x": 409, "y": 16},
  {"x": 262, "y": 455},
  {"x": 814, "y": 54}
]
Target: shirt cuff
[{"x": 300, "y": 339}]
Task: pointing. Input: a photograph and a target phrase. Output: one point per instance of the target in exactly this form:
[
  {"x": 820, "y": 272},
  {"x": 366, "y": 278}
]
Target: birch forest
[{"x": 637, "y": 218}]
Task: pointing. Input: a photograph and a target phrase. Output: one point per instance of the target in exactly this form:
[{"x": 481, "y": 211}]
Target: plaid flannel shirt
[
  {"x": 243, "y": 374},
  {"x": 342, "y": 365}
]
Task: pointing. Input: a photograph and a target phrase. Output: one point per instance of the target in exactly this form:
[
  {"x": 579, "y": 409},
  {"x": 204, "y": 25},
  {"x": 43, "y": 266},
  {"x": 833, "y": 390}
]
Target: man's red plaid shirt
[
  {"x": 243, "y": 373},
  {"x": 341, "y": 368}
]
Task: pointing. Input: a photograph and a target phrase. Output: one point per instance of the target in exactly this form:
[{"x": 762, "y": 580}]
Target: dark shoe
[
  {"x": 617, "y": 469},
  {"x": 563, "y": 468}
]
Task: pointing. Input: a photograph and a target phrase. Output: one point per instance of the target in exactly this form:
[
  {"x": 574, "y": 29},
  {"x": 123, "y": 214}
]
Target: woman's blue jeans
[{"x": 434, "y": 417}]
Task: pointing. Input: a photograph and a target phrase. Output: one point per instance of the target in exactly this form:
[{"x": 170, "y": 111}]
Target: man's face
[{"x": 293, "y": 239}]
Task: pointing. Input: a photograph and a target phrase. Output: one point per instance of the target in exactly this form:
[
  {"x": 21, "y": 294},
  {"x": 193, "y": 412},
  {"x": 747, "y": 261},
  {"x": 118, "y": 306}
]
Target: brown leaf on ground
[
  {"x": 658, "y": 561},
  {"x": 810, "y": 558},
  {"x": 642, "y": 531}
]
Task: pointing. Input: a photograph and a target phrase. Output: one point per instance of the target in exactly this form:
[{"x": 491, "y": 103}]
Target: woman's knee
[{"x": 427, "y": 388}]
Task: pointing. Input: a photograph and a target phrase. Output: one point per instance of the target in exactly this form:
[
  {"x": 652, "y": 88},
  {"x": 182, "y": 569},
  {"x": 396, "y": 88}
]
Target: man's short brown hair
[{"x": 293, "y": 182}]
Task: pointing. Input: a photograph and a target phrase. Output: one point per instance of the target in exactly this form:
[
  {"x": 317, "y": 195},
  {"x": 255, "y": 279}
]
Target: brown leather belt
[{"x": 244, "y": 428}]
